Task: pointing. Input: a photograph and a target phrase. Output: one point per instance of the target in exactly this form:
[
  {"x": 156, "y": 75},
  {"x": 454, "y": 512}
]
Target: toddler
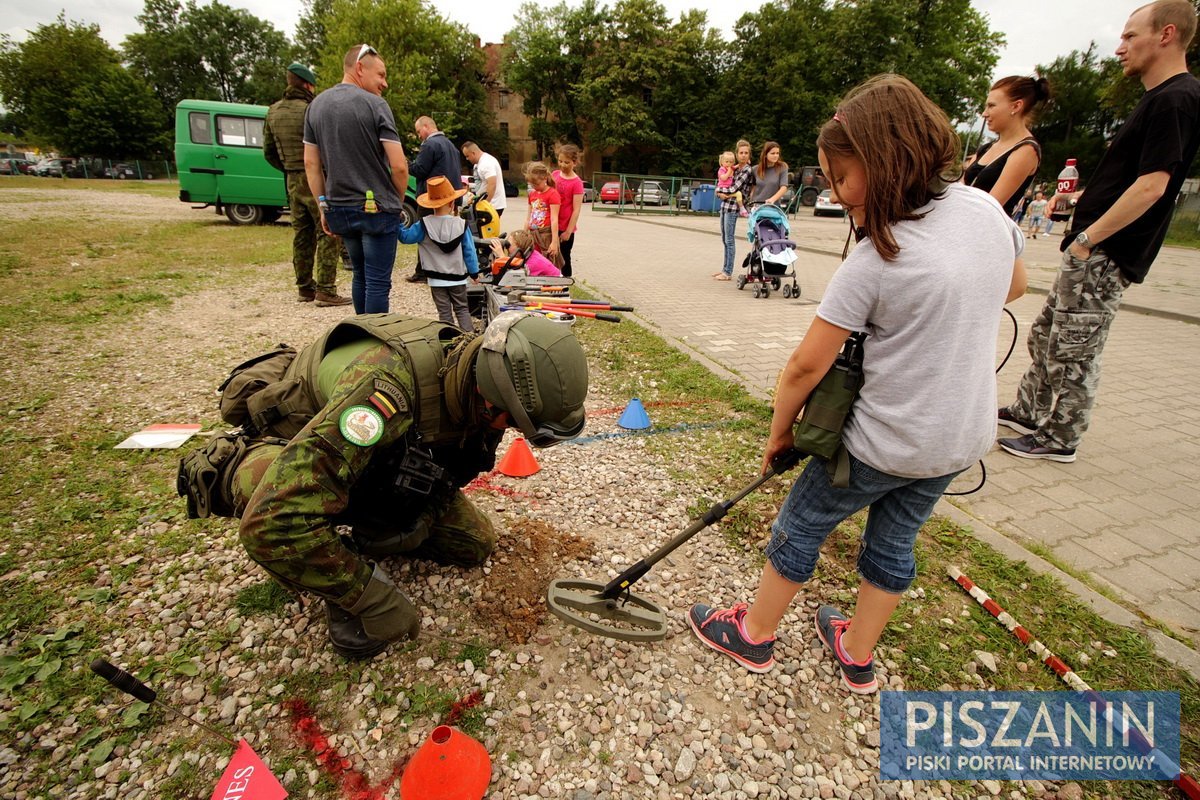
[{"x": 725, "y": 174}]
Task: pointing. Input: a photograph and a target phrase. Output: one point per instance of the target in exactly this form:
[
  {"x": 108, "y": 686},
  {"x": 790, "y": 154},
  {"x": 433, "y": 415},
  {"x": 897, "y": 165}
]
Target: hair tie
[{"x": 837, "y": 118}]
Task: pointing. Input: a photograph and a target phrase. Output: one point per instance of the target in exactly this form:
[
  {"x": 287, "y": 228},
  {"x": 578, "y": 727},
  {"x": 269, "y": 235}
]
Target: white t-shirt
[
  {"x": 488, "y": 167},
  {"x": 928, "y": 401}
]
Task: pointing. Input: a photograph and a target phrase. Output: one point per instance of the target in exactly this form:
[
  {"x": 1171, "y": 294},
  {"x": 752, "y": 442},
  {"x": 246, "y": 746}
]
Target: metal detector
[{"x": 614, "y": 611}]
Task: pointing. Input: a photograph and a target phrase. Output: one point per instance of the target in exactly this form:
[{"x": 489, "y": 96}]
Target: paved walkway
[{"x": 1127, "y": 511}]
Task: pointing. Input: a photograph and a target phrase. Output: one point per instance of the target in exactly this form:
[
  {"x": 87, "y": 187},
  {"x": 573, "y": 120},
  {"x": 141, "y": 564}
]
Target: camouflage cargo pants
[
  {"x": 1066, "y": 341},
  {"x": 311, "y": 248},
  {"x": 455, "y": 532}
]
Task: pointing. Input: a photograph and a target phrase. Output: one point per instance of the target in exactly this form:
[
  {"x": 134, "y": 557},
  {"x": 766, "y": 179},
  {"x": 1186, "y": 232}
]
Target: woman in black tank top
[{"x": 1004, "y": 168}]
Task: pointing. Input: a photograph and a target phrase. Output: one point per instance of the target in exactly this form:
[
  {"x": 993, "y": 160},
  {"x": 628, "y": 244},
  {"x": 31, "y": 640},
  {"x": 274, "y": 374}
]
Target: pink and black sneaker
[
  {"x": 858, "y": 677},
  {"x": 723, "y": 630}
]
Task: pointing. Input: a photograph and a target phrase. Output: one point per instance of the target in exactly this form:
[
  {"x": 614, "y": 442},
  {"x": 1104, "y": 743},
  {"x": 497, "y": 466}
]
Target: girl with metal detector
[{"x": 935, "y": 265}]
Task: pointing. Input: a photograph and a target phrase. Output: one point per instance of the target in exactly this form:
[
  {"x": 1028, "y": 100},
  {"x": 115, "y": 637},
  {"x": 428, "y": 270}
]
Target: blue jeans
[
  {"x": 371, "y": 242},
  {"x": 813, "y": 508},
  {"x": 728, "y": 232}
]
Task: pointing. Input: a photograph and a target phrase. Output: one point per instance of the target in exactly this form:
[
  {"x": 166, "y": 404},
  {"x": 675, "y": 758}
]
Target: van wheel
[
  {"x": 408, "y": 213},
  {"x": 242, "y": 214}
]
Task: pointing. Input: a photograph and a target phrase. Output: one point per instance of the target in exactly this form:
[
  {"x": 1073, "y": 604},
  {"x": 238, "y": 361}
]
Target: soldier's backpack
[{"x": 239, "y": 392}]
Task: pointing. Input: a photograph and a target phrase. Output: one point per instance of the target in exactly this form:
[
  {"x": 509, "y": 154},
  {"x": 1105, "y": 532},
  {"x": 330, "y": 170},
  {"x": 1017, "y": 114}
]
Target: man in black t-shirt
[{"x": 1119, "y": 226}]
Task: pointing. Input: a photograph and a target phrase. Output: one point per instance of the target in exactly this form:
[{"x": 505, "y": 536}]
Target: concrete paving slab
[{"x": 1137, "y": 467}]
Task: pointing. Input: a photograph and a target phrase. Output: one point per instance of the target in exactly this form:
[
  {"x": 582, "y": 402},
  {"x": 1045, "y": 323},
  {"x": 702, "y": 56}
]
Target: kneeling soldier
[{"x": 404, "y": 412}]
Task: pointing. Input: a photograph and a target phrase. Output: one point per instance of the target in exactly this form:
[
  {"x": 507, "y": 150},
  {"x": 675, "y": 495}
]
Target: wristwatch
[{"x": 1083, "y": 241}]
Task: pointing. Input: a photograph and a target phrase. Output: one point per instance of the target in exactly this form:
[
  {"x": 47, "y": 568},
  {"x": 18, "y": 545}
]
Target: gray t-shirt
[
  {"x": 768, "y": 183},
  {"x": 349, "y": 125},
  {"x": 928, "y": 401}
]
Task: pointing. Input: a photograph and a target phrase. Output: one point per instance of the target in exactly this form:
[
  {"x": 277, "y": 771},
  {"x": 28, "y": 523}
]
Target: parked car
[
  {"x": 828, "y": 207},
  {"x": 589, "y": 192},
  {"x": 16, "y": 166},
  {"x": 652, "y": 193},
  {"x": 683, "y": 200},
  {"x": 611, "y": 193},
  {"x": 51, "y": 167},
  {"x": 124, "y": 171}
]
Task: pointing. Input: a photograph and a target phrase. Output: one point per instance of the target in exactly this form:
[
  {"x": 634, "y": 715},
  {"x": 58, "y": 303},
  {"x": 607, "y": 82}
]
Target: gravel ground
[{"x": 568, "y": 715}]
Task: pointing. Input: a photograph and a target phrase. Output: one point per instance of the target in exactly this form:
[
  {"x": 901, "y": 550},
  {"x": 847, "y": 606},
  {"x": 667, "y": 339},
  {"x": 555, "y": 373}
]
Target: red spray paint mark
[
  {"x": 484, "y": 483},
  {"x": 353, "y": 783},
  {"x": 459, "y": 707}
]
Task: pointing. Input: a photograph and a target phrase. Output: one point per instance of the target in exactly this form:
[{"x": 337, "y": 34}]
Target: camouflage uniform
[
  {"x": 294, "y": 496},
  {"x": 1065, "y": 341},
  {"x": 283, "y": 146}
]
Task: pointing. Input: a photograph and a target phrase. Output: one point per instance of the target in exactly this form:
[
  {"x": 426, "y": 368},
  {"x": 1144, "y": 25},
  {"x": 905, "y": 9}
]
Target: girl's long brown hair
[
  {"x": 904, "y": 142},
  {"x": 761, "y": 170}
]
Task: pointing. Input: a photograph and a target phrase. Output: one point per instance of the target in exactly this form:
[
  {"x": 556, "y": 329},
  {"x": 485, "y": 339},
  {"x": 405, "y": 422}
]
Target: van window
[
  {"x": 240, "y": 131},
  {"x": 198, "y": 126}
]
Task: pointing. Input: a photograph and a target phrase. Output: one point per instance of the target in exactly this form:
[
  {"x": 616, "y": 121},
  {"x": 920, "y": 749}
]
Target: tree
[
  {"x": 208, "y": 52},
  {"x": 167, "y": 57},
  {"x": 434, "y": 66},
  {"x": 1076, "y": 122},
  {"x": 310, "y": 30},
  {"x": 67, "y": 89},
  {"x": 546, "y": 53},
  {"x": 39, "y": 75}
]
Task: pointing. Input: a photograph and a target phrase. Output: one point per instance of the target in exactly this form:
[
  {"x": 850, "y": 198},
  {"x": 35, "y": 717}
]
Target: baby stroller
[{"x": 773, "y": 254}]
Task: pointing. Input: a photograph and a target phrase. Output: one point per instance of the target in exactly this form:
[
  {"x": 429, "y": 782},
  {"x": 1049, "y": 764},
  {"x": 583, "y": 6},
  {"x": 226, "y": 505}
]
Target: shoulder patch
[
  {"x": 361, "y": 425},
  {"x": 393, "y": 393}
]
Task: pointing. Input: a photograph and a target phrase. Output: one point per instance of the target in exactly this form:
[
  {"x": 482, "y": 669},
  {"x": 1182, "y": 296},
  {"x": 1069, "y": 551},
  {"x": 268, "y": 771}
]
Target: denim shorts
[{"x": 813, "y": 508}]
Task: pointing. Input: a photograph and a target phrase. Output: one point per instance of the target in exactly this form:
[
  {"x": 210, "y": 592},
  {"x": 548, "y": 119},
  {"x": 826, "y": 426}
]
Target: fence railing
[
  {"x": 653, "y": 194},
  {"x": 136, "y": 169}
]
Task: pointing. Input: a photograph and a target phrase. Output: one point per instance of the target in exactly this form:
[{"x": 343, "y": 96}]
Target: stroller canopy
[{"x": 770, "y": 214}]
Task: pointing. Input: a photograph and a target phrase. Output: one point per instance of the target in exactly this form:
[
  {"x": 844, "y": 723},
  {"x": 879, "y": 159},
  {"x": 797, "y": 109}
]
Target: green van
[{"x": 219, "y": 155}]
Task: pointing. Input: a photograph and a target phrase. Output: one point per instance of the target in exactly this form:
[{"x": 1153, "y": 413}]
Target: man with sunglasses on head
[
  {"x": 395, "y": 415},
  {"x": 357, "y": 170}
]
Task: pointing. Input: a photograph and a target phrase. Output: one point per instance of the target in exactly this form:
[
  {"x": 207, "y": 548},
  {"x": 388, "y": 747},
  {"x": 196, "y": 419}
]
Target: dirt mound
[{"x": 523, "y": 564}]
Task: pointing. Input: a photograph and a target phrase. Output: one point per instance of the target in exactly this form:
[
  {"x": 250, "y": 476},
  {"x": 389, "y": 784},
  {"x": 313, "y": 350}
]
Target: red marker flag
[{"x": 247, "y": 778}]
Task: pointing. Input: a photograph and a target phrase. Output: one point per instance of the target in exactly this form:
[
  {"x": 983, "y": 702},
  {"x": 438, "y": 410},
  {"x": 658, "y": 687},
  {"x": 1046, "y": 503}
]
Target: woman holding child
[{"x": 743, "y": 182}]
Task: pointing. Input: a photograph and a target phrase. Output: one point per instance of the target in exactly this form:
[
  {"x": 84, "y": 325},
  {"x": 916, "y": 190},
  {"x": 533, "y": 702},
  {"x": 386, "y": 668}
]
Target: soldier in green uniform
[
  {"x": 283, "y": 146},
  {"x": 407, "y": 413}
]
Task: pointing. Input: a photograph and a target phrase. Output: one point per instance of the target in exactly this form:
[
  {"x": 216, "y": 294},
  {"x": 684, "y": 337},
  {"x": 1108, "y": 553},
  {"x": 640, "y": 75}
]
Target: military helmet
[{"x": 535, "y": 370}]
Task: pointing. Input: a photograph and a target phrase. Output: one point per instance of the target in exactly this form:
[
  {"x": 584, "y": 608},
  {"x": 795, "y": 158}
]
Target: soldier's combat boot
[
  {"x": 382, "y": 615},
  {"x": 325, "y": 299},
  {"x": 306, "y": 295}
]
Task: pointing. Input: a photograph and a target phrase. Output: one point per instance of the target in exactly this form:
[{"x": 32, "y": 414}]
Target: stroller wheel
[
  {"x": 766, "y": 291},
  {"x": 776, "y": 283},
  {"x": 741, "y": 282},
  {"x": 787, "y": 291},
  {"x": 795, "y": 289},
  {"x": 757, "y": 291}
]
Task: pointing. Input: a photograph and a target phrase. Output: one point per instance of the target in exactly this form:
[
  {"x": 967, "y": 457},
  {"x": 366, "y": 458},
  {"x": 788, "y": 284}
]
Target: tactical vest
[{"x": 284, "y": 407}]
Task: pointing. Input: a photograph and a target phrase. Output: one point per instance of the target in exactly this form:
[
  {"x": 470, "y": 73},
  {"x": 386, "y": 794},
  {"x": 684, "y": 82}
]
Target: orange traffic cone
[
  {"x": 518, "y": 462},
  {"x": 449, "y": 766}
]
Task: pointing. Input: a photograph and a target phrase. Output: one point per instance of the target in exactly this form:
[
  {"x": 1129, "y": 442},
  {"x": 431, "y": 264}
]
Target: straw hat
[{"x": 438, "y": 193}]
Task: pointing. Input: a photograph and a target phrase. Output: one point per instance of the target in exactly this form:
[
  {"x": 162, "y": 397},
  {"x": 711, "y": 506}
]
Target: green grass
[{"x": 1184, "y": 230}]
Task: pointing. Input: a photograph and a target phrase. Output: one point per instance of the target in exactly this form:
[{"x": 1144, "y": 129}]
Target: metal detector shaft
[{"x": 779, "y": 465}]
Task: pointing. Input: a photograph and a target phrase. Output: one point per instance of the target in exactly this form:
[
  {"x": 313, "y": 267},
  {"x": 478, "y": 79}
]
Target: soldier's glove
[{"x": 386, "y": 614}]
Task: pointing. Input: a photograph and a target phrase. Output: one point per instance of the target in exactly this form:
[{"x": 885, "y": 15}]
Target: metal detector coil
[{"x": 611, "y": 609}]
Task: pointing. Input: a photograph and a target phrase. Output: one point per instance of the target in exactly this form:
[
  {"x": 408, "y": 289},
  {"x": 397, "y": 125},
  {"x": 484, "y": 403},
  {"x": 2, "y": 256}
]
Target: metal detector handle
[
  {"x": 123, "y": 681},
  {"x": 779, "y": 465}
]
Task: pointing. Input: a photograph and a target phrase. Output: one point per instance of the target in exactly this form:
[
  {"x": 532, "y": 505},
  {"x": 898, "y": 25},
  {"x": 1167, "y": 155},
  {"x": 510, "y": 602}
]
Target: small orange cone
[
  {"x": 449, "y": 766},
  {"x": 518, "y": 462}
]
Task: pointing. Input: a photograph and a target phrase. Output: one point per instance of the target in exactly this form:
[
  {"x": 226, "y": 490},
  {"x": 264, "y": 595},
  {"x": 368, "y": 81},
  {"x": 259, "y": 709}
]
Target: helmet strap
[{"x": 508, "y": 393}]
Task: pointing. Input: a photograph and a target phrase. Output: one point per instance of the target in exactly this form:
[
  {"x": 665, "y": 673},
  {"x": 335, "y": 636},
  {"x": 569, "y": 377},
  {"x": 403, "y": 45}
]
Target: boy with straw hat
[{"x": 447, "y": 251}]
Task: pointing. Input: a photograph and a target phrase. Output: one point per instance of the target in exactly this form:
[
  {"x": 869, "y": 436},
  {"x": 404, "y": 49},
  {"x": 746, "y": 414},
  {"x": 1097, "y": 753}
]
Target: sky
[{"x": 1038, "y": 31}]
